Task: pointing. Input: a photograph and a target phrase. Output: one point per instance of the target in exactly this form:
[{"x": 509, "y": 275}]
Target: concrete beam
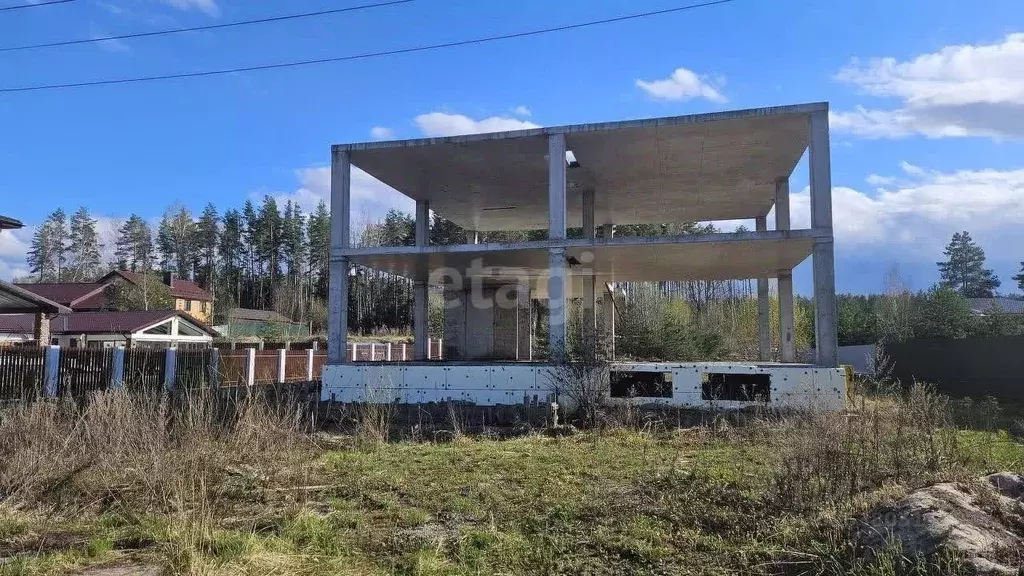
[
  {"x": 764, "y": 336},
  {"x": 596, "y": 127},
  {"x": 337, "y": 291},
  {"x": 719, "y": 237},
  {"x": 825, "y": 325}
]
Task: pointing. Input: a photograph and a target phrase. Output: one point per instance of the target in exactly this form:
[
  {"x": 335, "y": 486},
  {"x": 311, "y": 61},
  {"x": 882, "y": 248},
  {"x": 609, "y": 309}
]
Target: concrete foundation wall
[{"x": 511, "y": 384}]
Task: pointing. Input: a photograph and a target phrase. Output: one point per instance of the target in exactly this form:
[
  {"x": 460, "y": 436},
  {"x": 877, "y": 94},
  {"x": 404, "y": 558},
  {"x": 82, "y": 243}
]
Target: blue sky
[{"x": 927, "y": 100}]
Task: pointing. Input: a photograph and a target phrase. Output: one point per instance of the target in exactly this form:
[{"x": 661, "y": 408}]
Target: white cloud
[
  {"x": 108, "y": 44},
  {"x": 443, "y": 124},
  {"x": 381, "y": 133},
  {"x": 208, "y": 6},
  {"x": 521, "y": 111},
  {"x": 964, "y": 90},
  {"x": 684, "y": 84},
  {"x": 919, "y": 211},
  {"x": 370, "y": 198}
]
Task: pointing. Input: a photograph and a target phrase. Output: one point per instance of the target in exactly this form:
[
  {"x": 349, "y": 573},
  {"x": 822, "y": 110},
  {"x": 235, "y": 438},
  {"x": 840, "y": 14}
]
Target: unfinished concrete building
[{"x": 708, "y": 167}]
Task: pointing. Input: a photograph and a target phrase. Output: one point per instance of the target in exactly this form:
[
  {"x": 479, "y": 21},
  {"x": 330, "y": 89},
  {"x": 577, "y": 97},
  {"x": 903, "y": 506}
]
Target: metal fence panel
[
  {"x": 231, "y": 368},
  {"x": 21, "y": 372},
  {"x": 84, "y": 370},
  {"x": 144, "y": 369},
  {"x": 192, "y": 368}
]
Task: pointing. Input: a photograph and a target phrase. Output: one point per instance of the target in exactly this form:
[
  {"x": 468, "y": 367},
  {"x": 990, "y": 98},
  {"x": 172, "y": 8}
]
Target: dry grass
[{"x": 203, "y": 485}]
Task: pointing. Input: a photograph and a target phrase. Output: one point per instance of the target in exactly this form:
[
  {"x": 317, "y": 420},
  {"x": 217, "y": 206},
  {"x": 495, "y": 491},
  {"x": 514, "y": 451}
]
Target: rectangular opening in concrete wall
[
  {"x": 737, "y": 387},
  {"x": 641, "y": 384}
]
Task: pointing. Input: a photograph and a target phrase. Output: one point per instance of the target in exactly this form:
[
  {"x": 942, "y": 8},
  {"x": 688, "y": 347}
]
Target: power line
[
  {"x": 200, "y": 28},
  {"x": 36, "y": 5},
  {"x": 362, "y": 56}
]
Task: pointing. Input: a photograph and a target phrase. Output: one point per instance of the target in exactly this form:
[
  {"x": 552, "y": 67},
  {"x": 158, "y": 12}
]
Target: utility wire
[
  {"x": 200, "y": 28},
  {"x": 363, "y": 56},
  {"x": 36, "y": 5}
]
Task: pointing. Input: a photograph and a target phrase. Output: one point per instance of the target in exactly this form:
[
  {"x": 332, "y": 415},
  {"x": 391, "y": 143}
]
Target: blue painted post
[
  {"x": 117, "y": 369},
  {"x": 51, "y": 375},
  {"x": 169, "y": 362},
  {"x": 215, "y": 368}
]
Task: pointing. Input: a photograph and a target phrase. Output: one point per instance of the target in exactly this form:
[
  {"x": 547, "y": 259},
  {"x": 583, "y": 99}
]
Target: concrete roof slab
[{"x": 676, "y": 169}]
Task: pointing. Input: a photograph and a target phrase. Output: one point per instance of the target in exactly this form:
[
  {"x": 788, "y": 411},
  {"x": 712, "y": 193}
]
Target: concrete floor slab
[{"x": 620, "y": 262}]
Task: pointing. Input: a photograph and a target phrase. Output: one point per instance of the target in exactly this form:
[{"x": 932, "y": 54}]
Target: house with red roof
[{"x": 89, "y": 317}]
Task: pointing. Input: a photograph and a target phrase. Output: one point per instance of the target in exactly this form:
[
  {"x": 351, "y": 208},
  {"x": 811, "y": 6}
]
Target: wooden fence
[{"x": 21, "y": 372}]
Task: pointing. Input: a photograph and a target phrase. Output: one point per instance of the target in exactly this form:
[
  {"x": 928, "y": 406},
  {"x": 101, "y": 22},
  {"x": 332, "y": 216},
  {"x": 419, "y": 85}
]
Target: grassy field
[{"x": 194, "y": 491}]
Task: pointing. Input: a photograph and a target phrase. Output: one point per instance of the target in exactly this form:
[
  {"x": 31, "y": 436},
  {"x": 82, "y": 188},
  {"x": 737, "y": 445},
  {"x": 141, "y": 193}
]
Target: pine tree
[
  {"x": 1019, "y": 278},
  {"x": 134, "y": 247},
  {"x": 49, "y": 252},
  {"x": 177, "y": 242},
  {"x": 250, "y": 239},
  {"x": 231, "y": 253},
  {"x": 964, "y": 269},
  {"x": 84, "y": 249},
  {"x": 319, "y": 234},
  {"x": 269, "y": 237},
  {"x": 206, "y": 234}
]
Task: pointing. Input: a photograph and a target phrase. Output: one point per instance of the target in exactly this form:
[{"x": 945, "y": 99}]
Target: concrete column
[
  {"x": 51, "y": 372},
  {"x": 170, "y": 364},
  {"x": 556, "y": 256},
  {"x": 117, "y": 369},
  {"x": 337, "y": 292},
  {"x": 41, "y": 329},
  {"x": 825, "y": 326},
  {"x": 420, "y": 345},
  {"x": 282, "y": 360},
  {"x": 524, "y": 322},
  {"x": 589, "y": 307},
  {"x": 764, "y": 336},
  {"x": 787, "y": 344},
  {"x": 250, "y": 366},
  {"x": 472, "y": 237}
]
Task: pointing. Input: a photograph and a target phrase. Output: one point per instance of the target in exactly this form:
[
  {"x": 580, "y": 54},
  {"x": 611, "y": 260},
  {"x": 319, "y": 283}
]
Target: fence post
[
  {"x": 170, "y": 363},
  {"x": 117, "y": 369},
  {"x": 282, "y": 357},
  {"x": 405, "y": 355},
  {"x": 51, "y": 372},
  {"x": 387, "y": 351},
  {"x": 214, "y": 368},
  {"x": 309, "y": 365},
  {"x": 354, "y": 351},
  {"x": 250, "y": 366}
]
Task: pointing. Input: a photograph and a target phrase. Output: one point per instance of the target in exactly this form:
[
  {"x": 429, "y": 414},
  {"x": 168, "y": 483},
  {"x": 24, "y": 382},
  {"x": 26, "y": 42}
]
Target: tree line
[{"x": 266, "y": 257}]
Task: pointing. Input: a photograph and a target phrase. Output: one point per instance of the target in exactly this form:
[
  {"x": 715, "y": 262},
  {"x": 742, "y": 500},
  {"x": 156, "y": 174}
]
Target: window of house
[{"x": 188, "y": 305}]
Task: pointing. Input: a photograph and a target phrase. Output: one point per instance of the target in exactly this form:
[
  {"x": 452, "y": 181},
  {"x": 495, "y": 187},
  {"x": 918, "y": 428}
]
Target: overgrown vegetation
[{"x": 203, "y": 485}]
